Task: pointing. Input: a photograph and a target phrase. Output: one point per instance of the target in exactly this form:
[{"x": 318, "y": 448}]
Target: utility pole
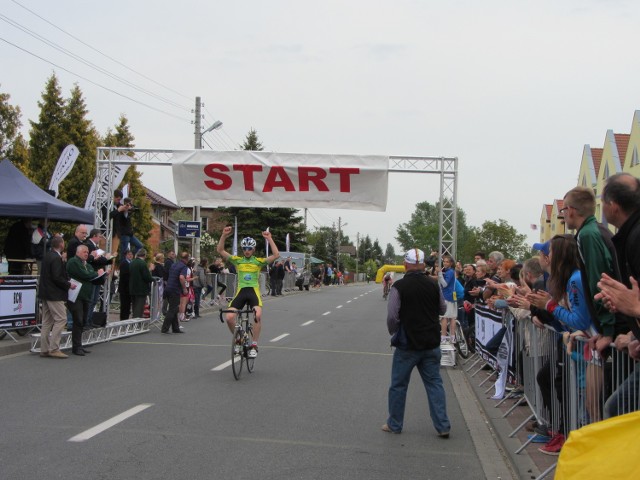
[
  {"x": 195, "y": 246},
  {"x": 357, "y": 254}
]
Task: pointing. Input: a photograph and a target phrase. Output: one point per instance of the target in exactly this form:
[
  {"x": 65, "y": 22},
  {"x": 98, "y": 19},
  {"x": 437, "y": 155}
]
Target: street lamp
[{"x": 196, "y": 213}]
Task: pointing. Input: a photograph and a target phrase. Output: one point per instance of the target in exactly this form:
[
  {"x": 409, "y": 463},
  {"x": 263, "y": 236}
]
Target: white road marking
[
  {"x": 326, "y": 313},
  {"x": 92, "y": 432},
  {"x": 222, "y": 366},
  {"x": 355, "y": 298},
  {"x": 348, "y": 301},
  {"x": 307, "y": 323},
  {"x": 339, "y": 306},
  {"x": 279, "y": 338}
]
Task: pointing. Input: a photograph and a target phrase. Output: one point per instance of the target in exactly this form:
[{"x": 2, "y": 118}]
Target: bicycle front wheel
[
  {"x": 461, "y": 342},
  {"x": 237, "y": 354}
]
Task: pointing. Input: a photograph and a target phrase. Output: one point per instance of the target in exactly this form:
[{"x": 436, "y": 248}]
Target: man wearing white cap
[{"x": 413, "y": 319}]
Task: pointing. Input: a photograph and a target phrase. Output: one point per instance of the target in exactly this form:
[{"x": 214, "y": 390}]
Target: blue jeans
[
  {"x": 428, "y": 363},
  {"x": 625, "y": 398},
  {"x": 124, "y": 244}
]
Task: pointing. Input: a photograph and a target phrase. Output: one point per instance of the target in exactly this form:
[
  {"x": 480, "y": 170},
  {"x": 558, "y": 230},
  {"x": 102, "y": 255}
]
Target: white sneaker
[{"x": 253, "y": 351}]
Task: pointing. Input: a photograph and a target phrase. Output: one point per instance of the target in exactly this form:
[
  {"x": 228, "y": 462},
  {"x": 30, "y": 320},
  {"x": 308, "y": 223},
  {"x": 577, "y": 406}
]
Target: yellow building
[{"x": 620, "y": 153}]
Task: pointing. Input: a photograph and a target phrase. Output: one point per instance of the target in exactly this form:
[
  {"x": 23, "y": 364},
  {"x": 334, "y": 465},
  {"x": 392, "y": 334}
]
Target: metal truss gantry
[
  {"x": 110, "y": 159},
  {"x": 447, "y": 169}
]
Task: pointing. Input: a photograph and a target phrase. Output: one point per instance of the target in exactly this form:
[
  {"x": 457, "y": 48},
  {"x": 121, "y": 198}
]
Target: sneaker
[
  {"x": 253, "y": 350},
  {"x": 554, "y": 446},
  {"x": 237, "y": 348},
  {"x": 443, "y": 434},
  {"x": 537, "y": 438}
]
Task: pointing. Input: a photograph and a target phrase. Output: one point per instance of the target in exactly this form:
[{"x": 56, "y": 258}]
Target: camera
[{"x": 431, "y": 261}]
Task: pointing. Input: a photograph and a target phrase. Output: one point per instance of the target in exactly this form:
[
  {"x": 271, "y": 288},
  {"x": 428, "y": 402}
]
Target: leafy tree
[
  {"x": 422, "y": 229},
  {"x": 12, "y": 144},
  {"x": 253, "y": 221},
  {"x": 496, "y": 236}
]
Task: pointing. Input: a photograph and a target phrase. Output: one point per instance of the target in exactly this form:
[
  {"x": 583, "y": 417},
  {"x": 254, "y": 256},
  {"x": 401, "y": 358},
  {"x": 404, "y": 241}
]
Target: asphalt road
[{"x": 164, "y": 406}]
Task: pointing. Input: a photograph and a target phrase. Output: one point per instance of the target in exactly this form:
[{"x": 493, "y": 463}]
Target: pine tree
[
  {"x": 81, "y": 133},
  {"x": 253, "y": 221},
  {"x": 47, "y": 138},
  {"x": 142, "y": 219}
]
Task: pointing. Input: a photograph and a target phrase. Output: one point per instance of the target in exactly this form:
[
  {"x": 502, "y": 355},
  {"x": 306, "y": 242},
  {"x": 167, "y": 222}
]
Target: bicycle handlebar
[{"x": 246, "y": 311}]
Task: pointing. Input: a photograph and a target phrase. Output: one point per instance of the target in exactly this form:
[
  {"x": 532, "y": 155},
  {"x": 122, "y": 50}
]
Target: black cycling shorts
[{"x": 247, "y": 296}]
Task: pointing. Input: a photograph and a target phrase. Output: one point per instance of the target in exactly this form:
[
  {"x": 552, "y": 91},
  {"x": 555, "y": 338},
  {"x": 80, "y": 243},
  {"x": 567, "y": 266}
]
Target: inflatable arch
[{"x": 388, "y": 268}]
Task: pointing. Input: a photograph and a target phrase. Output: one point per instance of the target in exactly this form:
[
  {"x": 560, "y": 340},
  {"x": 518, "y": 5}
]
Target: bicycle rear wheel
[
  {"x": 461, "y": 342},
  {"x": 250, "y": 361},
  {"x": 237, "y": 354}
]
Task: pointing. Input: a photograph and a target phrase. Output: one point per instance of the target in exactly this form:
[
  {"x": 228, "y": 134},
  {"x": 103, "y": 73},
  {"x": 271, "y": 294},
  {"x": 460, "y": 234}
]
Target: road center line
[
  {"x": 92, "y": 432},
  {"x": 222, "y": 366},
  {"x": 326, "y": 313},
  {"x": 348, "y": 301},
  {"x": 307, "y": 323},
  {"x": 339, "y": 306},
  {"x": 279, "y": 338}
]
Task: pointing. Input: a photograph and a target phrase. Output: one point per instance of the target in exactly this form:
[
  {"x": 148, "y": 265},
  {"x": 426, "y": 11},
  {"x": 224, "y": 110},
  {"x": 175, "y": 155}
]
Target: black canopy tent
[{"x": 20, "y": 197}]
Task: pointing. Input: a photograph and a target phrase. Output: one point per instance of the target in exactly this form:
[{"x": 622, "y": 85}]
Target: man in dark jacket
[
  {"x": 122, "y": 210},
  {"x": 123, "y": 286},
  {"x": 52, "y": 290},
  {"x": 140, "y": 281},
  {"x": 413, "y": 318}
]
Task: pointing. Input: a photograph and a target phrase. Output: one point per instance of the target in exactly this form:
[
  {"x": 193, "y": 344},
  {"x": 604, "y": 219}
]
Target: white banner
[
  {"x": 118, "y": 174},
  {"x": 267, "y": 179},
  {"x": 63, "y": 167}
]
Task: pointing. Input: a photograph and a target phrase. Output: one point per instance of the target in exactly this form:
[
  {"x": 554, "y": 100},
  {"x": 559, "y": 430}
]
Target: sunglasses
[{"x": 246, "y": 249}]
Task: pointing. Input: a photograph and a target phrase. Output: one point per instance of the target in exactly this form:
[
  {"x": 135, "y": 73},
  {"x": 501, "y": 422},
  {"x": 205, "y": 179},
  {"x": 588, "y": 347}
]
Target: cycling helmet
[{"x": 248, "y": 242}]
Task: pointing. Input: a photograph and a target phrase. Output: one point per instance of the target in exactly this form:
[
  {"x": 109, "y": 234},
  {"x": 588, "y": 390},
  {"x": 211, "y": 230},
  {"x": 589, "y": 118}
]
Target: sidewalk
[{"x": 529, "y": 463}]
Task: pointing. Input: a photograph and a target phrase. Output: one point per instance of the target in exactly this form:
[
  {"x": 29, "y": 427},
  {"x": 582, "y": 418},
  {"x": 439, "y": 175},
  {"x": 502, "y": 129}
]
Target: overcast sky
[{"x": 513, "y": 89}]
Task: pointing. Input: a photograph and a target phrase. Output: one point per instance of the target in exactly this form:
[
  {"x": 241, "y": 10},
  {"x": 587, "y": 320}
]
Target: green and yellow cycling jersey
[{"x": 248, "y": 270}]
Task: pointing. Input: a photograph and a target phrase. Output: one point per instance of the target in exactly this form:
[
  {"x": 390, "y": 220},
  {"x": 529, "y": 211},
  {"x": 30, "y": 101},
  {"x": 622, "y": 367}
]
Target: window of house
[{"x": 205, "y": 224}]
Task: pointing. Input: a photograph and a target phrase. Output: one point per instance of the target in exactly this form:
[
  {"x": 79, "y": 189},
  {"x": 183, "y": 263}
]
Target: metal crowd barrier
[{"x": 566, "y": 384}]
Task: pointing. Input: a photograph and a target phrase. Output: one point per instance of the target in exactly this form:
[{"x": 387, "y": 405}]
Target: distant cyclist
[
  {"x": 387, "y": 281},
  {"x": 248, "y": 267}
]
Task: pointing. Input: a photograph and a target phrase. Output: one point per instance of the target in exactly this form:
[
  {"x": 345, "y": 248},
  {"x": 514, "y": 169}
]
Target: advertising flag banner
[
  {"x": 63, "y": 167},
  {"x": 267, "y": 179},
  {"x": 287, "y": 242}
]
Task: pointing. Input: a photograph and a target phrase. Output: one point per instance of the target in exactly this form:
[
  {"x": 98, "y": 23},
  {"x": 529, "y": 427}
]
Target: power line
[
  {"x": 88, "y": 63},
  {"x": 101, "y": 53},
  {"x": 94, "y": 83}
]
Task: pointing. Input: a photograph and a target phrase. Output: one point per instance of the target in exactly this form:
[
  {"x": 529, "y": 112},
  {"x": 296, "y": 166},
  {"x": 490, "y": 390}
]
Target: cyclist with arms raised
[{"x": 248, "y": 267}]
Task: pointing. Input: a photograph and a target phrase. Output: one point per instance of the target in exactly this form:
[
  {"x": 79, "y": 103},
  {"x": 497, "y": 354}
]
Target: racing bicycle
[
  {"x": 385, "y": 290},
  {"x": 242, "y": 340}
]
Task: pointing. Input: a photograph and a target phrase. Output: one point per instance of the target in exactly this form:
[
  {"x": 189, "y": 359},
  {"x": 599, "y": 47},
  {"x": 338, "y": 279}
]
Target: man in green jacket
[
  {"x": 83, "y": 273},
  {"x": 140, "y": 281},
  {"x": 597, "y": 256}
]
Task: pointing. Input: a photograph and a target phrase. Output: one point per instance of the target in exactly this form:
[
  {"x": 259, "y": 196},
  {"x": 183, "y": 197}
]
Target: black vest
[{"x": 420, "y": 310}]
